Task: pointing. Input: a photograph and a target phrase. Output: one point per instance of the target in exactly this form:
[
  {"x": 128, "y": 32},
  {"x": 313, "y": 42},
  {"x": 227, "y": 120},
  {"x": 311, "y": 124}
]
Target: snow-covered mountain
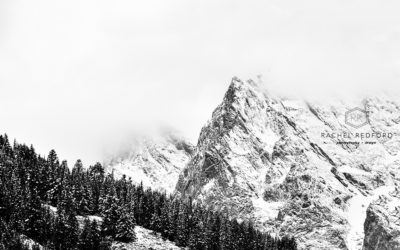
[
  {"x": 156, "y": 161},
  {"x": 306, "y": 169}
]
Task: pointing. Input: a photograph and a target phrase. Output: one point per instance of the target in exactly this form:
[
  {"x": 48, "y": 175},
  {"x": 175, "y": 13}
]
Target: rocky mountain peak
[
  {"x": 244, "y": 94},
  {"x": 293, "y": 166},
  {"x": 240, "y": 89}
]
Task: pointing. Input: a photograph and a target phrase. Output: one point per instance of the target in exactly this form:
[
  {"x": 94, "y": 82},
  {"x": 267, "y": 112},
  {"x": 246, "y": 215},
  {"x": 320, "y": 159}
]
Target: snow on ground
[
  {"x": 146, "y": 239},
  {"x": 51, "y": 208},
  {"x": 266, "y": 210},
  {"x": 208, "y": 186},
  {"x": 357, "y": 213},
  {"x": 268, "y": 138}
]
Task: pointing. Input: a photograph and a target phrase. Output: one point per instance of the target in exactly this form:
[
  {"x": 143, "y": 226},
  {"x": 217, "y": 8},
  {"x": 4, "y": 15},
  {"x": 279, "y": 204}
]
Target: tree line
[{"x": 41, "y": 198}]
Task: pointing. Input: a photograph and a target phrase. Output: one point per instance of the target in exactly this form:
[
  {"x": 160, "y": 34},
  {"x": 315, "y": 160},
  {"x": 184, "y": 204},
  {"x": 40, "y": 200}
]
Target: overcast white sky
[{"x": 75, "y": 73}]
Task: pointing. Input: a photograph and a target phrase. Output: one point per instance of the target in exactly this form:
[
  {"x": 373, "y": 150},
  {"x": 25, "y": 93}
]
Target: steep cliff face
[
  {"x": 382, "y": 226},
  {"x": 295, "y": 167},
  {"x": 155, "y": 161}
]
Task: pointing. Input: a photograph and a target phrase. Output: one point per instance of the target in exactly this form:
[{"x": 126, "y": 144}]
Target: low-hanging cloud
[{"x": 76, "y": 73}]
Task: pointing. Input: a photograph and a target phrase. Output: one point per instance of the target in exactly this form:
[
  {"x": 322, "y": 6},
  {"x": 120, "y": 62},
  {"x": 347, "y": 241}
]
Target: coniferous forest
[{"x": 41, "y": 199}]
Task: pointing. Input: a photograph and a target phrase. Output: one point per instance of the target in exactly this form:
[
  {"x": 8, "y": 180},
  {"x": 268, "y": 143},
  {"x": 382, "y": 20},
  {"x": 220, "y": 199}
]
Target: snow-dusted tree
[
  {"x": 225, "y": 234},
  {"x": 110, "y": 212},
  {"x": 197, "y": 233},
  {"x": 212, "y": 231},
  {"x": 90, "y": 238},
  {"x": 125, "y": 228}
]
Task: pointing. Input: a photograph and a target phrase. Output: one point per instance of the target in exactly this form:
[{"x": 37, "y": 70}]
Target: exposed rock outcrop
[{"x": 382, "y": 225}]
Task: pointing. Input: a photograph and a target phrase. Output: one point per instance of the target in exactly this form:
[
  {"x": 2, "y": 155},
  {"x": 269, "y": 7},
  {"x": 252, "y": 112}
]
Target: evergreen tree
[
  {"x": 111, "y": 215},
  {"x": 197, "y": 234},
  {"x": 32, "y": 214},
  {"x": 125, "y": 229},
  {"x": 212, "y": 233},
  {"x": 65, "y": 232},
  {"x": 9, "y": 239},
  {"x": 90, "y": 238},
  {"x": 96, "y": 175},
  {"x": 183, "y": 225},
  {"x": 79, "y": 189},
  {"x": 165, "y": 221},
  {"x": 53, "y": 165},
  {"x": 225, "y": 235}
]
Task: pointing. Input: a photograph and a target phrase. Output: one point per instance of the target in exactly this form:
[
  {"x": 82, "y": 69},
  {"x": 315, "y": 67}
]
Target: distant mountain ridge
[{"x": 155, "y": 161}]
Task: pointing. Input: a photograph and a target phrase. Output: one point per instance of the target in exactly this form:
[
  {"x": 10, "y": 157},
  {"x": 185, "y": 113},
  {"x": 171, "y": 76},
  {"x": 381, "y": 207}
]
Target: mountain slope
[
  {"x": 295, "y": 167},
  {"x": 156, "y": 161}
]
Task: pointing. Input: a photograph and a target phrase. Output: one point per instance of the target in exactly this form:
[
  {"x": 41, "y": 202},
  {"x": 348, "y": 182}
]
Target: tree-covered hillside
[{"x": 41, "y": 197}]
